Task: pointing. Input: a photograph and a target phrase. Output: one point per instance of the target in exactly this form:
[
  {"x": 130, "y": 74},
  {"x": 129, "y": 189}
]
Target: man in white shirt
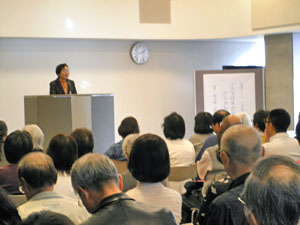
[
  {"x": 280, "y": 143},
  {"x": 37, "y": 176}
]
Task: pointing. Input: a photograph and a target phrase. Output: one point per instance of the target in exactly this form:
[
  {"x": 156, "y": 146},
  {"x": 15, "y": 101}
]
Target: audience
[
  {"x": 37, "y": 136},
  {"x": 8, "y": 212},
  {"x": 129, "y": 125},
  {"x": 17, "y": 144},
  {"x": 240, "y": 149},
  {"x": 216, "y": 126},
  {"x": 47, "y": 217},
  {"x": 63, "y": 151},
  {"x": 280, "y": 143},
  {"x": 149, "y": 163},
  {"x": 203, "y": 130},
  {"x": 271, "y": 194},
  {"x": 259, "y": 118},
  {"x": 84, "y": 139},
  {"x": 129, "y": 181},
  {"x": 209, "y": 167},
  {"x": 99, "y": 186},
  {"x": 181, "y": 151},
  {"x": 3, "y": 135},
  {"x": 37, "y": 175}
]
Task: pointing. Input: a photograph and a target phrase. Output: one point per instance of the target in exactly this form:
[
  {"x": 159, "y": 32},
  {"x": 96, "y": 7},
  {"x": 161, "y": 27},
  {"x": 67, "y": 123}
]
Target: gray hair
[
  {"x": 36, "y": 134},
  {"x": 242, "y": 143},
  {"x": 128, "y": 143},
  {"x": 93, "y": 171},
  {"x": 272, "y": 191}
]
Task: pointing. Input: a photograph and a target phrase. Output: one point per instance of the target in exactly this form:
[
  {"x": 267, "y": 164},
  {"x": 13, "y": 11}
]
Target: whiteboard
[
  {"x": 229, "y": 91},
  {"x": 236, "y": 90}
]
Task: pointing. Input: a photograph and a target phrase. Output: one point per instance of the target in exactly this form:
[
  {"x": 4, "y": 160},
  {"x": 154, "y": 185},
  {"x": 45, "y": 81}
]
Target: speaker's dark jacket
[{"x": 56, "y": 88}]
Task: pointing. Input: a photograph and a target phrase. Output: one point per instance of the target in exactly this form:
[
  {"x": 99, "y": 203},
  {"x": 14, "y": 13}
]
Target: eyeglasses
[
  {"x": 267, "y": 121},
  {"x": 242, "y": 201}
]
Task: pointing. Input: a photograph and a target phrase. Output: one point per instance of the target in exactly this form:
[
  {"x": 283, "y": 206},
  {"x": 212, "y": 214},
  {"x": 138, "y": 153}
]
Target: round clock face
[{"x": 140, "y": 53}]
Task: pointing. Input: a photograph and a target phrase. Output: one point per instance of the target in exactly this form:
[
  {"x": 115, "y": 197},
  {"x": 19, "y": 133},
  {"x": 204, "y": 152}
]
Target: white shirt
[
  {"x": 282, "y": 144},
  {"x": 182, "y": 153},
  {"x": 54, "y": 202},
  {"x": 155, "y": 194},
  {"x": 64, "y": 187}
]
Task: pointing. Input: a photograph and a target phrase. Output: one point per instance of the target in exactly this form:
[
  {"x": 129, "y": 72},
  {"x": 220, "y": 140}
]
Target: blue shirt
[
  {"x": 211, "y": 141},
  {"x": 115, "y": 152}
]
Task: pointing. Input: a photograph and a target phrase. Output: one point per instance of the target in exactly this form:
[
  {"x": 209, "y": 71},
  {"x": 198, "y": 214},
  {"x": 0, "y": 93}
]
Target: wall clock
[{"x": 140, "y": 53}]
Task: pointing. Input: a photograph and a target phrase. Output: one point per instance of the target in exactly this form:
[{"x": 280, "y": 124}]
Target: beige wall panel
[{"x": 274, "y": 13}]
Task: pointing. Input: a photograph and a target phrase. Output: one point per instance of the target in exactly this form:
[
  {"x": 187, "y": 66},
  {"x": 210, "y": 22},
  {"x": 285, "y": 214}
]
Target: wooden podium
[{"x": 63, "y": 113}]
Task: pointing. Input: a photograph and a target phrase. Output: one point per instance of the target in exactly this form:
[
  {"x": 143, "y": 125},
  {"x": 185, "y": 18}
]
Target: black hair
[
  {"x": 259, "y": 119},
  {"x": 84, "y": 139},
  {"x": 219, "y": 116},
  {"x": 3, "y": 130},
  {"x": 47, "y": 217},
  {"x": 297, "y": 130},
  {"x": 16, "y": 145},
  {"x": 8, "y": 211},
  {"x": 174, "y": 126},
  {"x": 149, "y": 159},
  {"x": 129, "y": 125},
  {"x": 203, "y": 122},
  {"x": 280, "y": 119},
  {"x": 63, "y": 150},
  {"x": 60, "y": 67}
]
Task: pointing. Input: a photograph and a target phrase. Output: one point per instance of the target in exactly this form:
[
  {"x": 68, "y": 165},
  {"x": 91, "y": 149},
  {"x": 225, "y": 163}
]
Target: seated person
[
  {"x": 128, "y": 126},
  {"x": 129, "y": 181},
  {"x": 203, "y": 130},
  {"x": 17, "y": 144},
  {"x": 259, "y": 118},
  {"x": 99, "y": 186},
  {"x": 37, "y": 136},
  {"x": 84, "y": 139},
  {"x": 3, "y": 135},
  {"x": 37, "y": 175},
  {"x": 47, "y": 217},
  {"x": 181, "y": 151},
  {"x": 149, "y": 163},
  {"x": 8, "y": 213},
  {"x": 63, "y": 151}
]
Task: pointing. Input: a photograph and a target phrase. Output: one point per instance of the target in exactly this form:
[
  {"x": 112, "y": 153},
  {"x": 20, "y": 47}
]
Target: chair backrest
[
  {"x": 18, "y": 199},
  {"x": 181, "y": 173},
  {"x": 120, "y": 165}
]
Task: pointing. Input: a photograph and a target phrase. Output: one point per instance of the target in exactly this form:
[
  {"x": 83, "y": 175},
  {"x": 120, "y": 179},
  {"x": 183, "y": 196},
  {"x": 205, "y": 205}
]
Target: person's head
[
  {"x": 37, "y": 173},
  {"x": 259, "y": 119},
  {"x": 127, "y": 144},
  {"x": 277, "y": 121},
  {"x": 272, "y": 192},
  {"x": 245, "y": 118},
  {"x": 94, "y": 177},
  {"x": 8, "y": 212},
  {"x": 174, "y": 126},
  {"x": 84, "y": 139},
  {"x": 203, "y": 123},
  {"x": 149, "y": 159},
  {"x": 37, "y": 136},
  {"x": 3, "y": 131},
  {"x": 217, "y": 118},
  {"x": 129, "y": 125},
  {"x": 62, "y": 71},
  {"x": 63, "y": 151},
  {"x": 16, "y": 145},
  {"x": 297, "y": 130},
  {"x": 240, "y": 149},
  {"x": 47, "y": 217}
]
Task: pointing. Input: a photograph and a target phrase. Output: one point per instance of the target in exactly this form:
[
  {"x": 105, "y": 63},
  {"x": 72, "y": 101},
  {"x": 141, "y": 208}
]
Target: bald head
[
  {"x": 242, "y": 144},
  {"x": 230, "y": 120},
  {"x": 37, "y": 169}
]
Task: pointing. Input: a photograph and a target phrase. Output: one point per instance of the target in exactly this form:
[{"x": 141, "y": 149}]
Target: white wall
[
  {"x": 148, "y": 92},
  {"x": 296, "y": 60},
  {"x": 115, "y": 19}
]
